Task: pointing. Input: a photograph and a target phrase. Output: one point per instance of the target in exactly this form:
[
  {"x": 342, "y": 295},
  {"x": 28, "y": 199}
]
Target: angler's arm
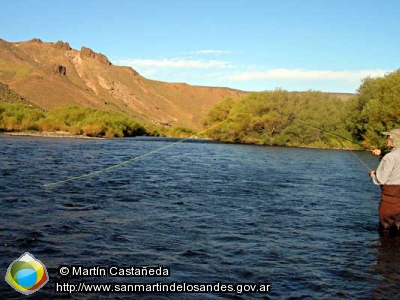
[{"x": 381, "y": 175}]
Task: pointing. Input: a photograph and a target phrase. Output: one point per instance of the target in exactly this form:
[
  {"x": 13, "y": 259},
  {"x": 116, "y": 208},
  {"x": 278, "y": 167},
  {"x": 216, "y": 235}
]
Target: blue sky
[{"x": 252, "y": 45}]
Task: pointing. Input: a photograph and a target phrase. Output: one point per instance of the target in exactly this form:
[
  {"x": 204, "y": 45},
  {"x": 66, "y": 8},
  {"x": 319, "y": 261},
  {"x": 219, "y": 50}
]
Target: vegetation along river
[{"x": 302, "y": 220}]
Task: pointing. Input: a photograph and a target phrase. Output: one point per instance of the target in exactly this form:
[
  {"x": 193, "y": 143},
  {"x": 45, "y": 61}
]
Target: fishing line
[
  {"x": 360, "y": 160},
  {"x": 352, "y": 152},
  {"x": 333, "y": 134},
  {"x": 134, "y": 158},
  {"x": 182, "y": 140},
  {"x": 342, "y": 137}
]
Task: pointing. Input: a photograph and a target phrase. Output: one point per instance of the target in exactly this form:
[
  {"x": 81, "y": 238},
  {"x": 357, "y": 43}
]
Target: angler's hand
[
  {"x": 376, "y": 152},
  {"x": 372, "y": 173}
]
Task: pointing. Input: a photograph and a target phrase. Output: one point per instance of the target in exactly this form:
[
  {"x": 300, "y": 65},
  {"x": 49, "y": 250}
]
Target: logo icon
[{"x": 27, "y": 274}]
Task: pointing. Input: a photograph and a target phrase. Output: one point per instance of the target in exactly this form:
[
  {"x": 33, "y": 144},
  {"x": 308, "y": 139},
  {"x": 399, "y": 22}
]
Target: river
[{"x": 303, "y": 221}]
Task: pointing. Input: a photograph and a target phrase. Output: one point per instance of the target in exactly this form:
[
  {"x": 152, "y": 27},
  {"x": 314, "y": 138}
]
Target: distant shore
[
  {"x": 57, "y": 134},
  {"x": 66, "y": 134}
]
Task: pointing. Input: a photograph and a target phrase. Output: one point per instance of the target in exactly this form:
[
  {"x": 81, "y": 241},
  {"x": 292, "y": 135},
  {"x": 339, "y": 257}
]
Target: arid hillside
[{"x": 49, "y": 75}]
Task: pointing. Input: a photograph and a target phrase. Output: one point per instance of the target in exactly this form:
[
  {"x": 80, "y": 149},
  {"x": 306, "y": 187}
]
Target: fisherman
[{"x": 387, "y": 176}]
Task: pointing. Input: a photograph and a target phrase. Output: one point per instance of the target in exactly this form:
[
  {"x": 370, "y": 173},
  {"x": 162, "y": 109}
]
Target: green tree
[
  {"x": 285, "y": 118},
  {"x": 376, "y": 108}
]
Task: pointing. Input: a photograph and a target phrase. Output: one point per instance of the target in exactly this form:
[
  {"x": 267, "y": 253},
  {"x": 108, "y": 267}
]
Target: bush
[
  {"x": 74, "y": 119},
  {"x": 280, "y": 118},
  {"x": 16, "y": 117},
  {"x": 181, "y": 132}
]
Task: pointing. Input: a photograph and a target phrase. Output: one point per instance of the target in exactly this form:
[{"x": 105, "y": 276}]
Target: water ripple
[{"x": 303, "y": 220}]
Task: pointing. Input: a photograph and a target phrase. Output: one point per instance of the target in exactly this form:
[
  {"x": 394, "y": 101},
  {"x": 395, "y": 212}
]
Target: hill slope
[{"x": 53, "y": 74}]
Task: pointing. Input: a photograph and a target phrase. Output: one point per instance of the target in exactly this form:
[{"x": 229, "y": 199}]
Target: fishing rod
[
  {"x": 317, "y": 128},
  {"x": 331, "y": 133},
  {"x": 187, "y": 138},
  {"x": 355, "y": 155}
]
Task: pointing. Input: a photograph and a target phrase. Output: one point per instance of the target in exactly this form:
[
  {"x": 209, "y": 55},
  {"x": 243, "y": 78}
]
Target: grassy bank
[{"x": 17, "y": 117}]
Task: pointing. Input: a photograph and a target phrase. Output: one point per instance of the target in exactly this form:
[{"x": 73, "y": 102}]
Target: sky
[{"x": 251, "y": 45}]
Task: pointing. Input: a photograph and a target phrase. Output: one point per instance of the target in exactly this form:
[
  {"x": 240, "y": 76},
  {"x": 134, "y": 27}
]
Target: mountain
[{"x": 48, "y": 75}]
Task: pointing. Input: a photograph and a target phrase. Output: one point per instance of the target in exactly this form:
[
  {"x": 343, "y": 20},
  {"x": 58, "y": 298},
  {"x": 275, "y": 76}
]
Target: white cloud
[
  {"x": 175, "y": 63},
  {"x": 148, "y": 72},
  {"x": 212, "y": 52},
  {"x": 304, "y": 74},
  {"x": 246, "y": 77}
]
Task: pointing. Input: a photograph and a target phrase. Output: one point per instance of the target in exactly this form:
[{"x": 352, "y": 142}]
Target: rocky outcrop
[
  {"x": 60, "y": 70},
  {"x": 62, "y": 46},
  {"x": 36, "y": 40},
  {"x": 49, "y": 76},
  {"x": 103, "y": 59},
  {"x": 87, "y": 52},
  {"x": 130, "y": 70}
]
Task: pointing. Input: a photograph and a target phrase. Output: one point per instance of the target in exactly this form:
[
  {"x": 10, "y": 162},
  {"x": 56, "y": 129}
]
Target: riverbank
[
  {"x": 66, "y": 134},
  {"x": 57, "y": 134}
]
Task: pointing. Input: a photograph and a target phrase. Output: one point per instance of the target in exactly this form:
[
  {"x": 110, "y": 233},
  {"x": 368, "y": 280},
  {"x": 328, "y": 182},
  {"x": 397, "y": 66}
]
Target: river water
[{"x": 303, "y": 221}]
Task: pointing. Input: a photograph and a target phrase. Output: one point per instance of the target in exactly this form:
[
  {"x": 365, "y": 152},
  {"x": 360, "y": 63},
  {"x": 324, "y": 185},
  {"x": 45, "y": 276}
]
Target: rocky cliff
[{"x": 53, "y": 74}]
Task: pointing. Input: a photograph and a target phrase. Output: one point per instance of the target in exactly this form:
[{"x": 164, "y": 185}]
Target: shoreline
[
  {"x": 66, "y": 134},
  {"x": 52, "y": 134}
]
